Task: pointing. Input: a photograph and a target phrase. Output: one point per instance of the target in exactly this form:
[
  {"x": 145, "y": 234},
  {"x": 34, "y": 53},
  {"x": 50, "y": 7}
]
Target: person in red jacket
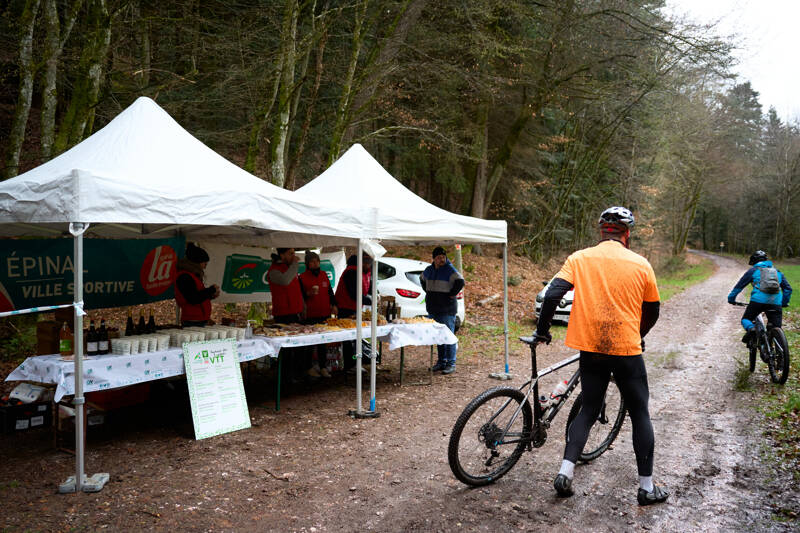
[
  {"x": 287, "y": 299},
  {"x": 193, "y": 297},
  {"x": 346, "y": 298},
  {"x": 288, "y": 306},
  {"x": 320, "y": 305}
]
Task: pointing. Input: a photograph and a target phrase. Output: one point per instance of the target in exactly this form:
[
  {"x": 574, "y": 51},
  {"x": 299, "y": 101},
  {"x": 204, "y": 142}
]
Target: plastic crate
[{"x": 26, "y": 416}]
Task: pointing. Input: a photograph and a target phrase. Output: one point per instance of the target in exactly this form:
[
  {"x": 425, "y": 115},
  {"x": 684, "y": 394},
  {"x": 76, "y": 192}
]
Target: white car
[
  {"x": 400, "y": 278},
  {"x": 563, "y": 308}
]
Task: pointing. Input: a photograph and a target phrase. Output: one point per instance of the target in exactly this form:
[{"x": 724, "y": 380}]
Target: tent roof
[
  {"x": 144, "y": 175},
  {"x": 357, "y": 181}
]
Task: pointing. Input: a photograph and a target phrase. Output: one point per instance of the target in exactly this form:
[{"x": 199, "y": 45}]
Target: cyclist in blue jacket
[{"x": 765, "y": 297}]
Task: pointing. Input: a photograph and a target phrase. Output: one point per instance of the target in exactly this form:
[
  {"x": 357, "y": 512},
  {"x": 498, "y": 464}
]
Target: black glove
[
  {"x": 540, "y": 338},
  {"x": 642, "y": 344},
  {"x": 784, "y": 305}
]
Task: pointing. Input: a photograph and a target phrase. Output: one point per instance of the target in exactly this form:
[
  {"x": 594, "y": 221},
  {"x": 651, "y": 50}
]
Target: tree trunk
[
  {"x": 49, "y": 95},
  {"x": 312, "y": 99},
  {"x": 79, "y": 118},
  {"x": 286, "y": 75},
  {"x": 345, "y": 99},
  {"x": 482, "y": 149},
  {"x": 26, "y": 73},
  {"x": 143, "y": 43},
  {"x": 55, "y": 40},
  {"x": 504, "y": 155}
]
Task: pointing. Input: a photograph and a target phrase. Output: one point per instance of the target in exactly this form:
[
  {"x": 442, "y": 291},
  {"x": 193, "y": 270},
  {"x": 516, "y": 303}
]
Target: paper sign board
[{"x": 216, "y": 391}]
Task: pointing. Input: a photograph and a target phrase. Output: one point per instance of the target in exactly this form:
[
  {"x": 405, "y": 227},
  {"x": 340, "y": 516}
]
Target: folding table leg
[
  {"x": 430, "y": 370},
  {"x": 278, "y": 385},
  {"x": 402, "y": 361}
]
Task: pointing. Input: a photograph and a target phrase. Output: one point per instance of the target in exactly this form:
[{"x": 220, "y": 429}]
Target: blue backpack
[{"x": 770, "y": 280}]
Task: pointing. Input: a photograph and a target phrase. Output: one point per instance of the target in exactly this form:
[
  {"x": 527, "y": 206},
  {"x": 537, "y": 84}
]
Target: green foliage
[
  {"x": 781, "y": 404},
  {"x": 17, "y": 337},
  {"x": 258, "y": 312},
  {"x": 675, "y": 275},
  {"x": 741, "y": 377}
]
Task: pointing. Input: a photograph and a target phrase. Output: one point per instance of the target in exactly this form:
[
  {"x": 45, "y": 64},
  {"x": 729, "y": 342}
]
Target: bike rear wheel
[
  {"x": 489, "y": 436},
  {"x": 607, "y": 426},
  {"x": 779, "y": 360}
]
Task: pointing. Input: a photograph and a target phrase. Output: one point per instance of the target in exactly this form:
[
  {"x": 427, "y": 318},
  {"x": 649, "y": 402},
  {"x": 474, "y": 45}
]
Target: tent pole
[
  {"x": 359, "y": 333},
  {"x": 79, "y": 482},
  {"x": 374, "y": 338},
  {"x": 506, "y": 372}
]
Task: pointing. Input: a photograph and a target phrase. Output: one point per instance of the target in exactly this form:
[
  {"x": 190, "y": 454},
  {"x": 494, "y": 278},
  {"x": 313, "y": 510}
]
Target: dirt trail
[{"x": 312, "y": 468}]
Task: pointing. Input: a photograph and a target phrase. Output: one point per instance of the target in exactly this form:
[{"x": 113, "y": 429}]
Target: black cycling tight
[{"x": 631, "y": 378}]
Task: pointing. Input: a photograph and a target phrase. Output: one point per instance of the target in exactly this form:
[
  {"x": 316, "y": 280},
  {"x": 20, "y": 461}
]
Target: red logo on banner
[
  {"x": 158, "y": 270},
  {"x": 5, "y": 300}
]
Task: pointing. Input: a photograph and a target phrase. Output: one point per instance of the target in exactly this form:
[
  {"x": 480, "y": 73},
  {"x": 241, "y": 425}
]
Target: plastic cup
[
  {"x": 163, "y": 342},
  {"x": 152, "y": 343},
  {"x": 125, "y": 346},
  {"x": 135, "y": 343}
]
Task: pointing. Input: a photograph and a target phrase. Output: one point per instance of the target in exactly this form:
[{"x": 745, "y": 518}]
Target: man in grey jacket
[{"x": 442, "y": 283}]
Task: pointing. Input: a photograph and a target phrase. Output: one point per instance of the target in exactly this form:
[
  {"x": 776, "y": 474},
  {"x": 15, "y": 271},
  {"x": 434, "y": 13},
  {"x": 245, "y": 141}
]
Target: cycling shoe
[
  {"x": 657, "y": 495},
  {"x": 563, "y": 486}
]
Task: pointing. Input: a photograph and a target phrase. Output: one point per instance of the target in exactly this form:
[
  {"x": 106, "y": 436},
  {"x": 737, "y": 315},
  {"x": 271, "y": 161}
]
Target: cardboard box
[
  {"x": 47, "y": 337},
  {"x": 66, "y": 314},
  {"x": 108, "y": 400},
  {"x": 64, "y": 425},
  {"x": 26, "y": 416}
]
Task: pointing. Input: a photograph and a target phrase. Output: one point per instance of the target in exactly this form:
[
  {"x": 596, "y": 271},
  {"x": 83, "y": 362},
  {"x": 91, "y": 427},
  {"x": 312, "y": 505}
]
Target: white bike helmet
[{"x": 617, "y": 216}]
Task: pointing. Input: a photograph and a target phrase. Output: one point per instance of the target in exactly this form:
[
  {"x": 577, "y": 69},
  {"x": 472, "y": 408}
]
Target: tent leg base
[
  {"x": 502, "y": 376},
  {"x": 94, "y": 483},
  {"x": 363, "y": 414}
]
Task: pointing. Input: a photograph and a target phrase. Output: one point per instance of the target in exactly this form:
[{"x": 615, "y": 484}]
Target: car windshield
[{"x": 414, "y": 277}]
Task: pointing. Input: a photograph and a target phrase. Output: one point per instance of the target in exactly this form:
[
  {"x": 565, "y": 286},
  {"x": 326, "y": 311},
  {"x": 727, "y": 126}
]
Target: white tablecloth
[
  {"x": 103, "y": 372},
  {"x": 397, "y": 335}
]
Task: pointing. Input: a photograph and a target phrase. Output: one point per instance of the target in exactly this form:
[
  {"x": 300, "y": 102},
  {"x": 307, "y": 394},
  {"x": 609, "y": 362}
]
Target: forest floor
[{"x": 310, "y": 467}]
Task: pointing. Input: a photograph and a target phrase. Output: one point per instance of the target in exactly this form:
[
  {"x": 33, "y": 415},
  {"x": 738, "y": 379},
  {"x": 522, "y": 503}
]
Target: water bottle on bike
[{"x": 559, "y": 391}]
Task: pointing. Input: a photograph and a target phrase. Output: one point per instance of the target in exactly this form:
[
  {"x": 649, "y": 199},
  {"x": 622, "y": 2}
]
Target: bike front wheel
[
  {"x": 607, "y": 425},
  {"x": 779, "y": 359},
  {"x": 489, "y": 436}
]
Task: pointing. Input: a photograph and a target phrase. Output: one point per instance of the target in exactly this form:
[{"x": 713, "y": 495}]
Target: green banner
[
  {"x": 247, "y": 274},
  {"x": 116, "y": 273}
]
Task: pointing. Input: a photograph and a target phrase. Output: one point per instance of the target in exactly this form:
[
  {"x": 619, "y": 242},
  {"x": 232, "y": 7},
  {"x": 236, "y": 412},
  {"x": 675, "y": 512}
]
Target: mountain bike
[
  {"x": 501, "y": 423},
  {"x": 770, "y": 341}
]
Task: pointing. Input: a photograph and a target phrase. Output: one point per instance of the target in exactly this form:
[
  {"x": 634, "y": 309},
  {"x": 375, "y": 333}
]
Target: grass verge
[
  {"x": 676, "y": 275},
  {"x": 780, "y": 405}
]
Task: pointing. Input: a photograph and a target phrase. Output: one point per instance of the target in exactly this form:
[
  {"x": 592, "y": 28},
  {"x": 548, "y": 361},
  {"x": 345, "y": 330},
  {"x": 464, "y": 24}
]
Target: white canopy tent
[
  {"x": 358, "y": 182},
  {"x": 141, "y": 176}
]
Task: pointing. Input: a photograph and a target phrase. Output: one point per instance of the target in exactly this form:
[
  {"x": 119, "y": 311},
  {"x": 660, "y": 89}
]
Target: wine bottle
[
  {"x": 91, "y": 340},
  {"x": 65, "y": 340},
  {"x": 141, "y": 327},
  {"x": 151, "y": 323},
  {"x": 102, "y": 338},
  {"x": 129, "y": 328}
]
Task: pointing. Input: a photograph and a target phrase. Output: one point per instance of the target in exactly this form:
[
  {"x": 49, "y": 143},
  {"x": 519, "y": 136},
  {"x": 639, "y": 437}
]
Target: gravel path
[{"x": 312, "y": 468}]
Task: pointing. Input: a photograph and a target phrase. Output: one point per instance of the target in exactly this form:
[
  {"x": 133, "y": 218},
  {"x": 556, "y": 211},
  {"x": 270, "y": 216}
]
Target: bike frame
[
  {"x": 763, "y": 326},
  {"x": 541, "y": 417}
]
